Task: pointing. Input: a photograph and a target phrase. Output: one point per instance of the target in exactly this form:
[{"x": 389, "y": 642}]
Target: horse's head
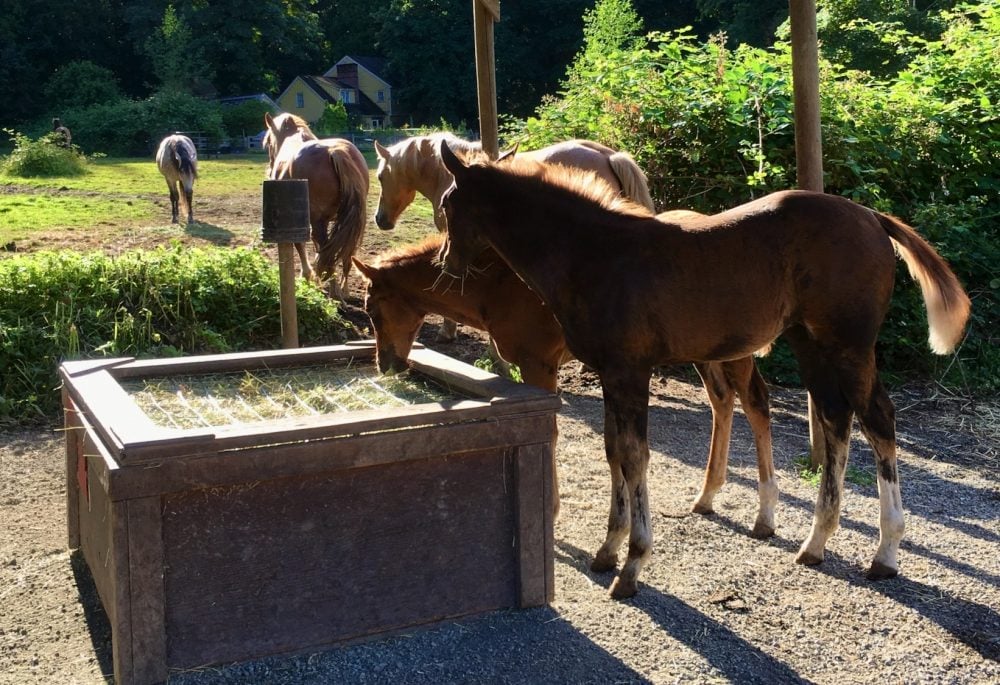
[
  {"x": 279, "y": 128},
  {"x": 395, "y": 192},
  {"x": 395, "y": 320},
  {"x": 463, "y": 208}
]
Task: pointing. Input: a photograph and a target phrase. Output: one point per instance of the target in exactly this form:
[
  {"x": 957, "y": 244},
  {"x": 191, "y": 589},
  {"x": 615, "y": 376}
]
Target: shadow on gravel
[
  {"x": 737, "y": 659},
  {"x": 93, "y": 614},
  {"x": 973, "y": 624}
]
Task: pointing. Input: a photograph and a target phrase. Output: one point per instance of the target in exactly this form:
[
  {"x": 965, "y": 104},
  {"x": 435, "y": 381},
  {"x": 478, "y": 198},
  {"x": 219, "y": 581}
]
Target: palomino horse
[
  {"x": 414, "y": 165},
  {"x": 815, "y": 268},
  {"x": 177, "y": 160},
  {"x": 338, "y": 191},
  {"x": 404, "y": 285}
]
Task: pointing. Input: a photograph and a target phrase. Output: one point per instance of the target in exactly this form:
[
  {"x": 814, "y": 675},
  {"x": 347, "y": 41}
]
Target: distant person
[{"x": 65, "y": 138}]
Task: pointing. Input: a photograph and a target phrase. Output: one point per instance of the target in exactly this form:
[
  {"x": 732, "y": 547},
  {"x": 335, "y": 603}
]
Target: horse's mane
[
  {"x": 399, "y": 255},
  {"x": 583, "y": 183}
]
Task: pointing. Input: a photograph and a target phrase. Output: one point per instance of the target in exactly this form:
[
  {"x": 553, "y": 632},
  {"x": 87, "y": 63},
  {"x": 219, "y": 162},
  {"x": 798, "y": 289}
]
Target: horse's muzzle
[{"x": 383, "y": 222}]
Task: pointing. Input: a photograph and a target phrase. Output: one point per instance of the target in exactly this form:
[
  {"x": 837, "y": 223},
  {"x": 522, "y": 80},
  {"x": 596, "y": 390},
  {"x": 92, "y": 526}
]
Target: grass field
[{"x": 123, "y": 204}]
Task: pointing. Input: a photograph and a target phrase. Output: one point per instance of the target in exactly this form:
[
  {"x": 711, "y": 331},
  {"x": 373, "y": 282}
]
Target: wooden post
[
  {"x": 805, "y": 83},
  {"x": 285, "y": 220},
  {"x": 286, "y": 290},
  {"x": 808, "y": 142},
  {"x": 484, "y": 14}
]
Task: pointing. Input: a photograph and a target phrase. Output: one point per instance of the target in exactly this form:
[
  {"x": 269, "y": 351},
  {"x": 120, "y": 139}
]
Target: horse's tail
[
  {"x": 633, "y": 182},
  {"x": 947, "y": 304},
  {"x": 187, "y": 165},
  {"x": 349, "y": 226}
]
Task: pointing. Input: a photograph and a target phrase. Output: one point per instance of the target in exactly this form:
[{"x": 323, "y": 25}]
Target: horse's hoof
[
  {"x": 703, "y": 509},
  {"x": 808, "y": 559},
  {"x": 761, "y": 531},
  {"x": 880, "y": 571},
  {"x": 604, "y": 563},
  {"x": 623, "y": 589}
]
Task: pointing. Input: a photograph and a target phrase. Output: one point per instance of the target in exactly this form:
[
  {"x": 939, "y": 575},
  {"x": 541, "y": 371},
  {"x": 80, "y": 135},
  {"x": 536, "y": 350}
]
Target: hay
[{"x": 225, "y": 399}]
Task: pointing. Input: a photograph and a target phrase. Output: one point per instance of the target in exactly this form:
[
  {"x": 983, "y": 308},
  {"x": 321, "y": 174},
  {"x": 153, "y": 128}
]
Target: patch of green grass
[
  {"x": 24, "y": 214},
  {"x": 118, "y": 176},
  {"x": 803, "y": 466}
]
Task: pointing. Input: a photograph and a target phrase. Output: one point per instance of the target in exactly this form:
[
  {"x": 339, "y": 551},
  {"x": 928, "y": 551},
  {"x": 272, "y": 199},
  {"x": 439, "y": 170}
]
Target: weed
[{"x": 813, "y": 476}]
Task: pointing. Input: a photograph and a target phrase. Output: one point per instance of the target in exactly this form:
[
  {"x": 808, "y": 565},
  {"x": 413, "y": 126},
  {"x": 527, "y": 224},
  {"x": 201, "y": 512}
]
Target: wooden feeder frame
[{"x": 236, "y": 542}]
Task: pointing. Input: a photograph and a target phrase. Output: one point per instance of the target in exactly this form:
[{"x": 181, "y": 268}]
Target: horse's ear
[
  {"x": 369, "y": 272},
  {"x": 451, "y": 161},
  {"x": 381, "y": 151},
  {"x": 269, "y": 121},
  {"x": 509, "y": 154}
]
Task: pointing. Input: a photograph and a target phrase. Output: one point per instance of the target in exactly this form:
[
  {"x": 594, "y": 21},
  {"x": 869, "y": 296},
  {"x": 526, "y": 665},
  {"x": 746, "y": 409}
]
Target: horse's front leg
[{"x": 626, "y": 407}]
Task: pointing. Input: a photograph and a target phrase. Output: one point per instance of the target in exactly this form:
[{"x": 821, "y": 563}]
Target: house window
[
  {"x": 300, "y": 100},
  {"x": 345, "y": 96},
  {"x": 381, "y": 96}
]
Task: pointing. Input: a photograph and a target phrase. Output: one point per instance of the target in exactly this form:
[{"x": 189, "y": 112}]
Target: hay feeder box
[{"x": 258, "y": 517}]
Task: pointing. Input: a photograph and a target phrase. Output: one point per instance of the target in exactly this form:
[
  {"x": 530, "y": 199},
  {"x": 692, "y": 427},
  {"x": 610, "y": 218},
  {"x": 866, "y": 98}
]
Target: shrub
[
  {"x": 712, "y": 128},
  {"x": 244, "y": 119},
  {"x": 81, "y": 83},
  {"x": 42, "y": 157},
  {"x": 169, "y": 301}
]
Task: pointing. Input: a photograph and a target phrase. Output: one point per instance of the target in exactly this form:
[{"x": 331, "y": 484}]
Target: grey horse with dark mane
[{"x": 177, "y": 160}]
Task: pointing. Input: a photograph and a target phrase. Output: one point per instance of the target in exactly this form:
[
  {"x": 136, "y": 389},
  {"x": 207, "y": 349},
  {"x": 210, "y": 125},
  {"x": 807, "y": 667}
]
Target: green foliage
[
  {"x": 60, "y": 305},
  {"x": 245, "y": 118},
  {"x": 42, "y": 157},
  {"x": 129, "y": 127},
  {"x": 81, "y": 83},
  {"x": 813, "y": 476},
  {"x": 333, "y": 119},
  {"x": 712, "y": 128},
  {"x": 178, "y": 61}
]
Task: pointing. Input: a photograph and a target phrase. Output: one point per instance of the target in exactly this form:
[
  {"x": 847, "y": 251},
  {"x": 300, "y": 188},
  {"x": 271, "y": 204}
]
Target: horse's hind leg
[
  {"x": 307, "y": 272},
  {"x": 174, "y": 199},
  {"x": 876, "y": 415},
  {"x": 833, "y": 417},
  {"x": 722, "y": 396},
  {"x": 188, "y": 194},
  {"x": 755, "y": 400}
]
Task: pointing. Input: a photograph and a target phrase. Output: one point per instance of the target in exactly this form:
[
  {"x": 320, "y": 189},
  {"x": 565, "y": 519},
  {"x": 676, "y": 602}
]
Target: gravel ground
[{"x": 714, "y": 604}]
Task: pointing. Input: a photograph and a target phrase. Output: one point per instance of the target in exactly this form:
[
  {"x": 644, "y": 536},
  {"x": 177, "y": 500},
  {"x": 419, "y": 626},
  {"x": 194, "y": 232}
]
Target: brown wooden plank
[
  {"x": 145, "y": 558},
  {"x": 81, "y": 366},
  {"x": 74, "y": 453},
  {"x": 474, "y": 381},
  {"x": 301, "y": 562},
  {"x": 267, "y": 462},
  {"x": 237, "y": 361},
  {"x": 534, "y": 523},
  {"x": 120, "y": 613}
]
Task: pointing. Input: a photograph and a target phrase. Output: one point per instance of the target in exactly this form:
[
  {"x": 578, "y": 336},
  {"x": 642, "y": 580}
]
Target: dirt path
[{"x": 714, "y": 605}]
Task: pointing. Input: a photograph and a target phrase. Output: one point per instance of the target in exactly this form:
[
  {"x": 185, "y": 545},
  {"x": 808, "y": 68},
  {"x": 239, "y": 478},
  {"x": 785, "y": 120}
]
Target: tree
[
  {"x": 178, "y": 61},
  {"x": 429, "y": 48},
  {"x": 81, "y": 83},
  {"x": 333, "y": 120}
]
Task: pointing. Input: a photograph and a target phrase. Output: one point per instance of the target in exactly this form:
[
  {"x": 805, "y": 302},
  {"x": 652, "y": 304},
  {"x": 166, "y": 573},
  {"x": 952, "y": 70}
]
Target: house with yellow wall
[{"x": 354, "y": 81}]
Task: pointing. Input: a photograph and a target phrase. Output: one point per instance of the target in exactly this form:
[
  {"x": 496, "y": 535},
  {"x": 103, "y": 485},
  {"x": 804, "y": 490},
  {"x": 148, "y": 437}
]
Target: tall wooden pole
[
  {"x": 484, "y": 14},
  {"x": 808, "y": 144},
  {"x": 805, "y": 83}
]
